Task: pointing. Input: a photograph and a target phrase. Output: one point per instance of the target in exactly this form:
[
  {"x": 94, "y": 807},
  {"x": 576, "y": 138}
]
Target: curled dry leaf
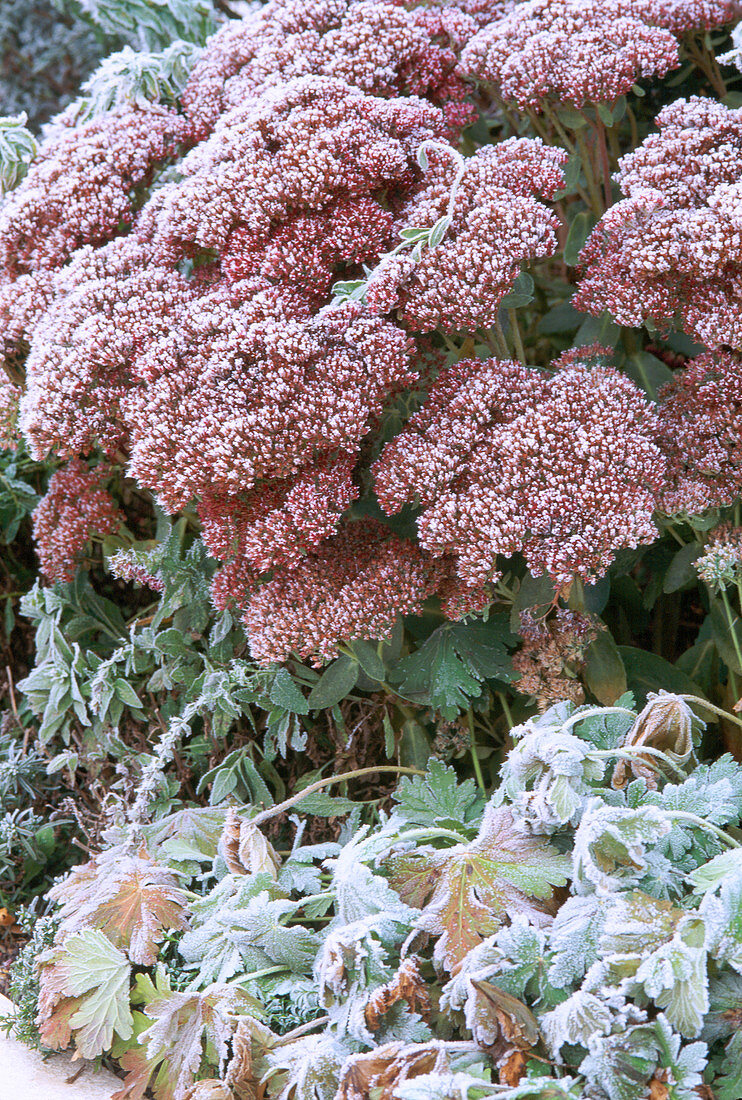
[
  {"x": 512, "y": 1068},
  {"x": 406, "y": 985},
  {"x": 498, "y": 1021},
  {"x": 244, "y": 848},
  {"x": 212, "y": 1089},
  {"x": 386, "y": 1067},
  {"x": 666, "y": 723}
]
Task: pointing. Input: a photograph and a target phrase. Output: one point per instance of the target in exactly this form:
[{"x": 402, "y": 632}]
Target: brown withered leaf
[
  {"x": 212, "y": 1089},
  {"x": 473, "y": 889},
  {"x": 658, "y": 1089},
  {"x": 249, "y": 1040},
  {"x": 386, "y": 1067},
  {"x": 499, "y": 1021},
  {"x": 667, "y": 724},
  {"x": 244, "y": 848},
  {"x": 512, "y": 1069},
  {"x": 406, "y": 985},
  {"x": 132, "y": 898}
]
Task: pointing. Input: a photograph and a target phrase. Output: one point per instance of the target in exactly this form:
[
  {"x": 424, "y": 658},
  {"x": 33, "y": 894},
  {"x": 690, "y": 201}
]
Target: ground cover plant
[{"x": 372, "y": 549}]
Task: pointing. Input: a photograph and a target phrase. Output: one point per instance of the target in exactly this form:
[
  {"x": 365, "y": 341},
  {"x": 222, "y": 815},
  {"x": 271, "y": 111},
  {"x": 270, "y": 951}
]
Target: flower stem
[
  {"x": 712, "y": 707},
  {"x": 266, "y": 815},
  {"x": 473, "y": 750},
  {"x": 694, "y": 819},
  {"x": 517, "y": 338}
]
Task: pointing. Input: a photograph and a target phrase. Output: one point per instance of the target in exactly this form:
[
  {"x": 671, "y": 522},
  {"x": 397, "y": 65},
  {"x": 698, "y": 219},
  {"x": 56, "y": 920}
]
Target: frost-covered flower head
[
  {"x": 720, "y": 565},
  {"x": 353, "y": 586},
  {"x": 374, "y": 45},
  {"x": 673, "y": 246},
  {"x": 578, "y": 51},
  {"x": 496, "y": 225},
  {"x": 75, "y": 508},
  {"x": 700, "y": 420},
  {"x": 562, "y": 468}
]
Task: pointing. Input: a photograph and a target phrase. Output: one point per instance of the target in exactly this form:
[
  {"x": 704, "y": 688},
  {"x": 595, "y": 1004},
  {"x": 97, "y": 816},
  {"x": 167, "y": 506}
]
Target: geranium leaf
[
  {"x": 473, "y": 889},
  {"x": 85, "y": 991}
]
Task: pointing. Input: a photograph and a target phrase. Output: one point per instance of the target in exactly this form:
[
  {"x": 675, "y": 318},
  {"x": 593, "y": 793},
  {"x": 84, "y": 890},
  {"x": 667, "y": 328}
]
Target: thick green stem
[
  {"x": 712, "y": 707},
  {"x": 637, "y": 753},
  {"x": 587, "y": 166},
  {"x": 517, "y": 338},
  {"x": 473, "y": 750},
  {"x": 506, "y": 710},
  {"x": 732, "y": 631}
]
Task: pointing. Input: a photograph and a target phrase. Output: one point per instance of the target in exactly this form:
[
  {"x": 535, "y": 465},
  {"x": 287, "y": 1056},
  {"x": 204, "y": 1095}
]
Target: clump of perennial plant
[{"x": 378, "y": 424}]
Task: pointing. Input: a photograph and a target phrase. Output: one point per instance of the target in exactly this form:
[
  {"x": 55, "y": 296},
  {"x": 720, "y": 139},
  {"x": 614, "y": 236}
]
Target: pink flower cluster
[
  {"x": 181, "y": 323},
  {"x": 78, "y": 190},
  {"x": 75, "y": 508},
  {"x": 299, "y": 146},
  {"x": 375, "y": 46},
  {"x": 574, "y": 51},
  {"x": 700, "y": 420},
  {"x": 673, "y": 246},
  {"x": 563, "y": 468},
  {"x": 497, "y": 225},
  {"x": 353, "y": 586}
]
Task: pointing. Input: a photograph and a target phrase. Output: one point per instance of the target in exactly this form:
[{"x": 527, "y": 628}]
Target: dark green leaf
[
  {"x": 680, "y": 571},
  {"x": 647, "y": 672},
  {"x": 336, "y": 682},
  {"x": 369, "y": 659},
  {"x": 447, "y": 670},
  {"x": 285, "y": 693},
  {"x": 605, "y": 675},
  {"x": 580, "y": 229}
]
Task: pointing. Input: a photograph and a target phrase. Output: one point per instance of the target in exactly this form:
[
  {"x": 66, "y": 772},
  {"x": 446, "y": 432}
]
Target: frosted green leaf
[
  {"x": 464, "y": 1086},
  {"x": 724, "y": 1022},
  {"x": 653, "y": 948},
  {"x": 548, "y": 778},
  {"x": 438, "y": 798},
  {"x": 711, "y": 875},
  {"x": 723, "y": 916},
  {"x": 245, "y": 934},
  {"x": 576, "y": 1021},
  {"x": 17, "y": 150},
  {"x": 307, "y": 1069},
  {"x": 685, "y": 1063},
  {"x": 611, "y": 845},
  {"x": 713, "y": 791},
  {"x": 675, "y": 976},
  {"x": 573, "y": 939},
  {"x": 183, "y": 1024},
  {"x": 620, "y": 1065},
  {"x": 149, "y": 24},
  {"x": 136, "y": 78}
]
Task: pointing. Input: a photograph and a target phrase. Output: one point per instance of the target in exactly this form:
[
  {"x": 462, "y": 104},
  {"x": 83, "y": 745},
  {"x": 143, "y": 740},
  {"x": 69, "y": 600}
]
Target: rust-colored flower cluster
[
  {"x": 75, "y": 508},
  {"x": 673, "y": 246},
  {"x": 562, "y": 467}
]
